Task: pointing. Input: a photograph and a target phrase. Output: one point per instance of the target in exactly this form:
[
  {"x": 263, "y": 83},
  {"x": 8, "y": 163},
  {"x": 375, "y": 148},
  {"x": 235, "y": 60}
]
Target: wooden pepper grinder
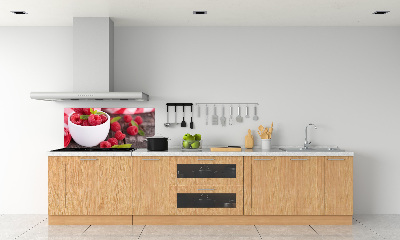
[{"x": 249, "y": 140}]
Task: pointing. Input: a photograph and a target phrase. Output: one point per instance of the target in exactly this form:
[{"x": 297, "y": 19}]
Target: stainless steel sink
[{"x": 315, "y": 149}]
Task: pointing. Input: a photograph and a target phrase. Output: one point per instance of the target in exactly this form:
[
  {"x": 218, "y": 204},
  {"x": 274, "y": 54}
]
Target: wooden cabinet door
[
  {"x": 287, "y": 186},
  {"x": 338, "y": 185},
  {"x": 98, "y": 185},
  {"x": 151, "y": 186},
  {"x": 56, "y": 186}
]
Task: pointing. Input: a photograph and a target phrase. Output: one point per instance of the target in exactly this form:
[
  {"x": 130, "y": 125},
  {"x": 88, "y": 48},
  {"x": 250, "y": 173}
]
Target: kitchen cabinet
[
  {"x": 287, "y": 186},
  {"x": 338, "y": 185},
  {"x": 151, "y": 186},
  {"x": 200, "y": 189},
  {"x": 90, "y": 186}
]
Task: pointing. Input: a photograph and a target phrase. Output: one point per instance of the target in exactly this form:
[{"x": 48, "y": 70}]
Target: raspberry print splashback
[{"x": 108, "y": 127}]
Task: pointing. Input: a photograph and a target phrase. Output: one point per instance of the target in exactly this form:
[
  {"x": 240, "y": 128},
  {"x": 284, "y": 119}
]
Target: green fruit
[
  {"x": 196, "y": 144},
  {"x": 190, "y": 139},
  {"x": 186, "y": 136},
  {"x": 197, "y": 137},
  {"x": 186, "y": 144}
]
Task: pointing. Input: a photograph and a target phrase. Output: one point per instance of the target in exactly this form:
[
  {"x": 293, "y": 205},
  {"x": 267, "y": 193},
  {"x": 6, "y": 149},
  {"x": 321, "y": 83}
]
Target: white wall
[{"x": 344, "y": 80}]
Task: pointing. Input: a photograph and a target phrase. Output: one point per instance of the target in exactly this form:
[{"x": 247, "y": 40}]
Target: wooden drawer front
[
  {"x": 287, "y": 186},
  {"x": 210, "y": 191},
  {"x": 98, "y": 185},
  {"x": 338, "y": 185},
  {"x": 224, "y": 161}
]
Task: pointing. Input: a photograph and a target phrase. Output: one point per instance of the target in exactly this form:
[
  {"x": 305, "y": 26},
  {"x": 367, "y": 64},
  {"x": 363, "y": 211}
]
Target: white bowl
[{"x": 89, "y": 136}]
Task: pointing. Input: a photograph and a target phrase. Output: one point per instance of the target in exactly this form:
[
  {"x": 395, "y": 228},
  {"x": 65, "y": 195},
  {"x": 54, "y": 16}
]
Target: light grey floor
[{"x": 365, "y": 227}]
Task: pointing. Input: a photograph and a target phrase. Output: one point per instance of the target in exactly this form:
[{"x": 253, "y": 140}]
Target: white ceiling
[{"x": 220, "y": 12}]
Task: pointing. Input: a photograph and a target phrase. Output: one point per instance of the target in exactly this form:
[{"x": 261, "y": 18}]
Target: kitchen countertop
[{"x": 205, "y": 152}]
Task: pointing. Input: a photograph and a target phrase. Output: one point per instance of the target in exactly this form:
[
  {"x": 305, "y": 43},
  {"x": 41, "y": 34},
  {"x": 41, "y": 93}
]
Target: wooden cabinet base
[
  {"x": 200, "y": 220},
  {"x": 242, "y": 220},
  {"x": 90, "y": 220}
]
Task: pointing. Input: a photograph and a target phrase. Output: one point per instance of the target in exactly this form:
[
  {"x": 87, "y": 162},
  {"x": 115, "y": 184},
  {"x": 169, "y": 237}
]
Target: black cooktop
[{"x": 94, "y": 150}]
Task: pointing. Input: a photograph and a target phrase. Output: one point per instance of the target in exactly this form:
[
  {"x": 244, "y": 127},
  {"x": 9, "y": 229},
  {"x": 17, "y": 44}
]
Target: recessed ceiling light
[
  {"x": 199, "y": 12},
  {"x": 381, "y": 12},
  {"x": 19, "y": 12}
]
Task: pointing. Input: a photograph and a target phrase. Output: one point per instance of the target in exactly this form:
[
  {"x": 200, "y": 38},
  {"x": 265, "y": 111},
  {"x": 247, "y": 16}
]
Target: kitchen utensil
[
  {"x": 191, "y": 118},
  {"x": 249, "y": 140},
  {"x": 266, "y": 144},
  {"x": 255, "y": 118},
  {"x": 183, "y": 123},
  {"x": 167, "y": 124},
  {"x": 226, "y": 149},
  {"x": 239, "y": 118},
  {"x": 206, "y": 114},
  {"x": 230, "y": 116},
  {"x": 247, "y": 112},
  {"x": 157, "y": 143},
  {"x": 223, "y": 119},
  {"x": 176, "y": 117},
  {"x": 198, "y": 111},
  {"x": 214, "y": 118}
]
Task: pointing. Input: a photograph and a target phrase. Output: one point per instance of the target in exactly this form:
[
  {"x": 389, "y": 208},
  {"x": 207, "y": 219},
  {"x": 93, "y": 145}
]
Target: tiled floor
[{"x": 365, "y": 227}]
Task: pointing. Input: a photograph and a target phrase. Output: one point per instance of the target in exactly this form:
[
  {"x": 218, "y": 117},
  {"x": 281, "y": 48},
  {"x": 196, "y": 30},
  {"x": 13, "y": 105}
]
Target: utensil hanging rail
[{"x": 226, "y": 103}]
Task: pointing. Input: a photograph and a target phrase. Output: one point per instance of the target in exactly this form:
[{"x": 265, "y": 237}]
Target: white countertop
[{"x": 205, "y": 152}]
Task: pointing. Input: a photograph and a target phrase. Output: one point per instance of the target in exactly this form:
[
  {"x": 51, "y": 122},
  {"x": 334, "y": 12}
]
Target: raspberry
[
  {"x": 65, "y": 118},
  {"x": 138, "y": 120},
  {"x": 113, "y": 141},
  {"x": 132, "y": 130},
  {"x": 127, "y": 118},
  {"x": 94, "y": 120},
  {"x": 115, "y": 126},
  {"x": 76, "y": 118},
  {"x": 86, "y": 111},
  {"x": 79, "y": 110},
  {"x": 103, "y": 118},
  {"x": 119, "y": 135},
  {"x": 85, "y": 123},
  {"x": 67, "y": 137},
  {"x": 105, "y": 144}
]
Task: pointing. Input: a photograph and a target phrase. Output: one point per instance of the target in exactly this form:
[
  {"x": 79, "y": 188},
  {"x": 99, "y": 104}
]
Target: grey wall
[
  {"x": 345, "y": 80},
  {"x": 342, "y": 79}
]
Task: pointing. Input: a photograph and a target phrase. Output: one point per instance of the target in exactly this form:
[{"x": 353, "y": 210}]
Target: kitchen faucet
[{"x": 306, "y": 142}]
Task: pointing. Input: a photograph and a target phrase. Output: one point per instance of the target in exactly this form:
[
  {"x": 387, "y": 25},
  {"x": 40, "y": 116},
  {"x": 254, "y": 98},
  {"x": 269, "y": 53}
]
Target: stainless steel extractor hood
[{"x": 93, "y": 62}]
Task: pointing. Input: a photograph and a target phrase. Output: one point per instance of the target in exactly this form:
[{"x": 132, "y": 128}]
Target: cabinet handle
[
  {"x": 336, "y": 159},
  {"x": 262, "y": 159},
  {"x": 88, "y": 159},
  {"x": 299, "y": 159},
  {"x": 206, "y": 159},
  {"x": 151, "y": 159},
  {"x": 205, "y": 189}
]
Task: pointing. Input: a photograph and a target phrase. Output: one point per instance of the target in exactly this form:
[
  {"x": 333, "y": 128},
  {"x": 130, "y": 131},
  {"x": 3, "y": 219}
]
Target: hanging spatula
[
  {"x": 223, "y": 119},
  {"x": 191, "y": 118},
  {"x": 183, "y": 123},
  {"x": 214, "y": 118},
  {"x": 239, "y": 117}
]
